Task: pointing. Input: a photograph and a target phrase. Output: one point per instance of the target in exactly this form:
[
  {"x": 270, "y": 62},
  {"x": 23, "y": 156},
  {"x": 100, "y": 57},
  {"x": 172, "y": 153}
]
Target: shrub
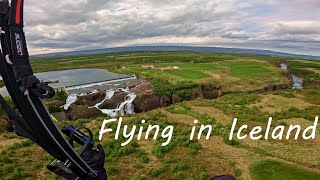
[
  {"x": 202, "y": 176},
  {"x": 232, "y": 142},
  {"x": 112, "y": 170},
  {"x": 184, "y": 94},
  {"x": 5, "y": 159},
  {"x": 179, "y": 166},
  {"x": 138, "y": 165},
  {"x": 237, "y": 172},
  {"x": 60, "y": 95},
  {"x": 144, "y": 158},
  {"x": 162, "y": 87},
  {"x": 17, "y": 174},
  {"x": 54, "y": 109},
  {"x": 158, "y": 171},
  {"x": 177, "y": 175}
]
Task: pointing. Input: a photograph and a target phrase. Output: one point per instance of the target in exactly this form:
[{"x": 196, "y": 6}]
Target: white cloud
[{"x": 63, "y": 25}]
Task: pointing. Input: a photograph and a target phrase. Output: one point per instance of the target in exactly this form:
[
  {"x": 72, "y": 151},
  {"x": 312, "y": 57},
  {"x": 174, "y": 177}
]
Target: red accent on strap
[
  {"x": 18, "y": 12},
  {"x": 57, "y": 170}
]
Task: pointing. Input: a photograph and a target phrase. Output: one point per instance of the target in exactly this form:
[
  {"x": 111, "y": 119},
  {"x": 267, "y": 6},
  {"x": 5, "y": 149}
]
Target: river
[{"x": 297, "y": 81}]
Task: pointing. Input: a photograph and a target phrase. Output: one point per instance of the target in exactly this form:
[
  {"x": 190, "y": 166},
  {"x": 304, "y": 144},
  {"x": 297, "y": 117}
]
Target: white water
[
  {"x": 123, "y": 108},
  {"x": 109, "y": 95},
  {"x": 297, "y": 81},
  {"x": 126, "y": 107},
  {"x": 284, "y": 66},
  {"x": 70, "y": 100}
]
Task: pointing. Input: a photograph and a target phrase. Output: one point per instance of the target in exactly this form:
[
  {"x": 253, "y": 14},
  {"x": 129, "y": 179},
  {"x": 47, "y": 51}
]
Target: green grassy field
[
  {"x": 198, "y": 159},
  {"x": 231, "y": 71},
  {"x": 276, "y": 170}
]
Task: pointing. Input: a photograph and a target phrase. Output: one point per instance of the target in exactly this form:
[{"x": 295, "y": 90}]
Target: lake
[{"x": 75, "y": 77}]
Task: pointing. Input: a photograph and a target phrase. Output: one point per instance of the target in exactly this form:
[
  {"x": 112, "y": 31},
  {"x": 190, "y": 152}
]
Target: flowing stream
[{"x": 297, "y": 81}]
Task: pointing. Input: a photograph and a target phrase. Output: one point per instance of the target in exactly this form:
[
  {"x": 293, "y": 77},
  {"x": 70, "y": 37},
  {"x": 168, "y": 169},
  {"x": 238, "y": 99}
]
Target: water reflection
[{"x": 75, "y": 77}]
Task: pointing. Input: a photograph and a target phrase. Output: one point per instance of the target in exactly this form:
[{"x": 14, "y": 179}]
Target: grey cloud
[{"x": 89, "y": 24}]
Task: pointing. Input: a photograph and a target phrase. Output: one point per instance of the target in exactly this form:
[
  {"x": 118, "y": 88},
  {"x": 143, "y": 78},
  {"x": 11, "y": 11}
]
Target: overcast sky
[{"x": 281, "y": 25}]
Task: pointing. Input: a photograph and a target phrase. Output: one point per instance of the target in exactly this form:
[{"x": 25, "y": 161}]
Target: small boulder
[
  {"x": 60, "y": 116},
  {"x": 146, "y": 102},
  {"x": 144, "y": 87},
  {"x": 210, "y": 91},
  {"x": 176, "y": 99},
  {"x": 197, "y": 93},
  {"x": 164, "y": 101},
  {"x": 91, "y": 99},
  {"x": 83, "y": 112}
]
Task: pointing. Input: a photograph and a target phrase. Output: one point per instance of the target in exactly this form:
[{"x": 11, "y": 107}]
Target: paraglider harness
[{"x": 33, "y": 120}]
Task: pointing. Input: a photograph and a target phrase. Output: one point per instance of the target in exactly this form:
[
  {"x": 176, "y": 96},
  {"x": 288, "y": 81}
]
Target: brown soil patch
[
  {"x": 216, "y": 152},
  {"x": 214, "y": 75},
  {"x": 215, "y": 113},
  {"x": 302, "y": 152},
  {"x": 274, "y": 103},
  {"x": 181, "y": 118},
  {"x": 9, "y": 142},
  {"x": 299, "y": 121}
]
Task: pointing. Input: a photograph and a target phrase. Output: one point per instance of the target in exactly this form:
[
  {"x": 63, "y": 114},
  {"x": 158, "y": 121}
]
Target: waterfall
[
  {"x": 123, "y": 108},
  {"x": 109, "y": 95},
  {"x": 72, "y": 98},
  {"x": 126, "y": 107}
]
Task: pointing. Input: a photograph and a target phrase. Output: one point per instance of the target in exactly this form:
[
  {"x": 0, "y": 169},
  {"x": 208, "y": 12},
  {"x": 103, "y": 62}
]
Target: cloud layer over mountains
[{"x": 63, "y": 25}]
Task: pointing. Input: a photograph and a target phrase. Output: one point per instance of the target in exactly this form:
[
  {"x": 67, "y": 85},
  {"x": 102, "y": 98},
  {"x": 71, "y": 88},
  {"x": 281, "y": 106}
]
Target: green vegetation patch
[
  {"x": 249, "y": 69},
  {"x": 309, "y": 71},
  {"x": 276, "y": 170}
]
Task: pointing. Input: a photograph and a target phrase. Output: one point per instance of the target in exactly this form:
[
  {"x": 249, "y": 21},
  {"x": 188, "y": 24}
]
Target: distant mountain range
[{"x": 178, "y": 48}]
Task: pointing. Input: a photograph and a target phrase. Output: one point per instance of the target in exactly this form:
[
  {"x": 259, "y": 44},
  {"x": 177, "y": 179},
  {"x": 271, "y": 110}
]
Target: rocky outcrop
[
  {"x": 114, "y": 101},
  {"x": 176, "y": 99},
  {"x": 146, "y": 102},
  {"x": 311, "y": 83},
  {"x": 144, "y": 87},
  {"x": 91, "y": 99},
  {"x": 60, "y": 116},
  {"x": 210, "y": 91},
  {"x": 196, "y": 93},
  {"x": 164, "y": 101},
  {"x": 83, "y": 112},
  {"x": 275, "y": 87}
]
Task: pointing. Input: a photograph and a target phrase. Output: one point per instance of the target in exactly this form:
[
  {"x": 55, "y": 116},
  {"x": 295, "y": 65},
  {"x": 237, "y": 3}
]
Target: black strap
[
  {"x": 86, "y": 145},
  {"x": 20, "y": 126},
  {"x": 14, "y": 46}
]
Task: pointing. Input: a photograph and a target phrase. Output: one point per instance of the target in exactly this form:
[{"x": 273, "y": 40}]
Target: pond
[{"x": 76, "y": 77}]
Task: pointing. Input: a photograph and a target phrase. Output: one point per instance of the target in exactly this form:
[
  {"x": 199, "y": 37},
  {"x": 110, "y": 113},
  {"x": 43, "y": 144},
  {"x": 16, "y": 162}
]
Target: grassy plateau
[{"x": 237, "y": 75}]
